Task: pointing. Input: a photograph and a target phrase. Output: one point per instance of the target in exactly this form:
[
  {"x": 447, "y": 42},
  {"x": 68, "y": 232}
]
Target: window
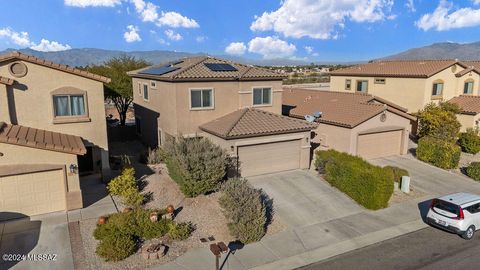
[
  {"x": 468, "y": 87},
  {"x": 473, "y": 208},
  {"x": 139, "y": 89},
  {"x": 262, "y": 96},
  {"x": 201, "y": 99},
  {"x": 145, "y": 92},
  {"x": 153, "y": 84},
  {"x": 379, "y": 81},
  {"x": 362, "y": 86},
  {"x": 69, "y": 105},
  {"x": 437, "y": 89},
  {"x": 348, "y": 84}
]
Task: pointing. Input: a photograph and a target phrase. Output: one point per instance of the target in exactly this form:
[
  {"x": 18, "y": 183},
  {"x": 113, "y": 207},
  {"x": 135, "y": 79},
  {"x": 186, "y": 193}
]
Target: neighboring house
[
  {"x": 410, "y": 83},
  {"x": 52, "y": 129},
  {"x": 355, "y": 123},
  {"x": 470, "y": 115},
  {"x": 237, "y": 106}
]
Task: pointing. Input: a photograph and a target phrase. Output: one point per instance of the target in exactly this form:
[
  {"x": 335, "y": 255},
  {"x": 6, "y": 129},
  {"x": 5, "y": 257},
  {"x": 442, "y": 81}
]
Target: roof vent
[
  {"x": 317, "y": 114},
  {"x": 309, "y": 118}
]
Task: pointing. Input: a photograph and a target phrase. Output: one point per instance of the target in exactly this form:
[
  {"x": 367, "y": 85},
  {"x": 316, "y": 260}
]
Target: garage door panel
[
  {"x": 382, "y": 144},
  {"x": 268, "y": 158},
  {"x": 33, "y": 193}
]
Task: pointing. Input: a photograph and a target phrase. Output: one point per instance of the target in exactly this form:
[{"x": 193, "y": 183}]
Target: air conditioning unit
[
  {"x": 309, "y": 118},
  {"x": 317, "y": 114}
]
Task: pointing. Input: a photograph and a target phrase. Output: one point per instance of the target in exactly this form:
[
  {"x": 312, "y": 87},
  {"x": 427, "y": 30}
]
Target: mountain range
[{"x": 444, "y": 50}]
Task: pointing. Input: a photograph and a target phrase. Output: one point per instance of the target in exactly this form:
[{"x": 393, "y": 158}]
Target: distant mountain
[
  {"x": 91, "y": 56},
  {"x": 445, "y": 50}
]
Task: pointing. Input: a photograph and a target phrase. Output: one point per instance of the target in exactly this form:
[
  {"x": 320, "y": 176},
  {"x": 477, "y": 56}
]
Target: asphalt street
[{"x": 428, "y": 248}]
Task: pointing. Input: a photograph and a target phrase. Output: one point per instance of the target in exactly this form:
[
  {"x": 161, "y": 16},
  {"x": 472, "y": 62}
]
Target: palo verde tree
[{"x": 120, "y": 89}]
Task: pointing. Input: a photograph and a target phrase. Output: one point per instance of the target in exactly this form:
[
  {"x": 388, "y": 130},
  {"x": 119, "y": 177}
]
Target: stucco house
[
  {"x": 411, "y": 84},
  {"x": 355, "y": 123},
  {"x": 52, "y": 130},
  {"x": 470, "y": 114},
  {"x": 236, "y": 106}
]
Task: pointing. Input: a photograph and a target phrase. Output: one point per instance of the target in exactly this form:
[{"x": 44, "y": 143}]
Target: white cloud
[
  {"x": 201, "y": 39},
  {"x": 172, "y": 35},
  {"x": 271, "y": 47},
  {"x": 236, "y": 48},
  {"x": 46, "y": 45},
  {"x": 308, "y": 49},
  {"x": 92, "y": 3},
  {"x": 22, "y": 39},
  {"x": 476, "y": 2},
  {"x": 131, "y": 35},
  {"x": 175, "y": 20},
  {"x": 442, "y": 20},
  {"x": 320, "y": 19},
  {"x": 411, "y": 5}
]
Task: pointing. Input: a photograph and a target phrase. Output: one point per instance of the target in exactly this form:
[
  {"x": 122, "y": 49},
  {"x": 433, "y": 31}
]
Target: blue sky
[{"x": 314, "y": 30}]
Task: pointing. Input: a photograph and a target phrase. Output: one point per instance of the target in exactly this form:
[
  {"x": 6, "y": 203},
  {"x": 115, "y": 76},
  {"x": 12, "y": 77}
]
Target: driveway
[
  {"x": 301, "y": 198},
  {"x": 430, "y": 179}
]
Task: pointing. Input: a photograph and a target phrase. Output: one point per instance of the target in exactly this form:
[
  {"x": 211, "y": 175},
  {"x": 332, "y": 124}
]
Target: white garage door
[
  {"x": 269, "y": 157},
  {"x": 382, "y": 144},
  {"x": 33, "y": 193}
]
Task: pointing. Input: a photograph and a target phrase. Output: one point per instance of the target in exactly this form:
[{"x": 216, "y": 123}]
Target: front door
[{"x": 85, "y": 162}]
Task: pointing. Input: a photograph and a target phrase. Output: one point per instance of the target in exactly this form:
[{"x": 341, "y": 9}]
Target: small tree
[
  {"x": 125, "y": 186},
  {"x": 439, "y": 121},
  {"x": 120, "y": 89},
  {"x": 470, "y": 141}
]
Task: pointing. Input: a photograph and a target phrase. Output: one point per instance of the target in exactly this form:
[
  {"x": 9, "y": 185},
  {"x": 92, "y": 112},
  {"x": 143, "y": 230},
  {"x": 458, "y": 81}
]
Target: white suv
[{"x": 458, "y": 213}]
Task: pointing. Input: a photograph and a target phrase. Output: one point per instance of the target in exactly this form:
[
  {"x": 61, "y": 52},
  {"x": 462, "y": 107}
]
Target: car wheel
[{"x": 469, "y": 233}]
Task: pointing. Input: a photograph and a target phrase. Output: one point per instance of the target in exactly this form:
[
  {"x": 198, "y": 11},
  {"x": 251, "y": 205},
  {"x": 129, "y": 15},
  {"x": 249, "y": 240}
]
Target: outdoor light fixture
[
  {"x": 73, "y": 168},
  {"x": 217, "y": 249}
]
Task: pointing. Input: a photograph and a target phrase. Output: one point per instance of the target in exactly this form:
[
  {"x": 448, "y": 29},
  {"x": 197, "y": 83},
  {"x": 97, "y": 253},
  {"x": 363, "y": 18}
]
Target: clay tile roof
[
  {"x": 41, "y": 139},
  {"x": 398, "y": 68},
  {"x": 7, "y": 81},
  {"x": 250, "y": 122},
  {"x": 194, "y": 69},
  {"x": 468, "y": 104},
  {"x": 32, "y": 59},
  {"x": 337, "y": 108}
]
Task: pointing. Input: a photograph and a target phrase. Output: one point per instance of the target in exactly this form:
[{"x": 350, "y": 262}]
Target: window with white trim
[
  {"x": 468, "y": 88},
  {"x": 201, "y": 98},
  {"x": 362, "y": 86},
  {"x": 69, "y": 105},
  {"x": 262, "y": 96},
  {"x": 437, "y": 89},
  {"x": 348, "y": 84},
  {"x": 145, "y": 92}
]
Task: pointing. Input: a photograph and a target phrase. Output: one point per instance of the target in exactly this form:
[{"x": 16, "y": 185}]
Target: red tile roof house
[
  {"x": 236, "y": 106},
  {"x": 470, "y": 114},
  {"x": 355, "y": 123},
  {"x": 52, "y": 128}
]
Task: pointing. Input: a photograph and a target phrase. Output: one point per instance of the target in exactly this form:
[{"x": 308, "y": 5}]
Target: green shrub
[
  {"x": 473, "y": 171},
  {"x": 397, "y": 173},
  {"x": 322, "y": 157},
  {"x": 125, "y": 186},
  {"x": 116, "y": 248},
  {"x": 196, "y": 164},
  {"x": 439, "y": 121},
  {"x": 179, "y": 231},
  {"x": 155, "y": 156},
  {"x": 371, "y": 186},
  {"x": 440, "y": 153},
  {"x": 245, "y": 209},
  {"x": 469, "y": 141}
]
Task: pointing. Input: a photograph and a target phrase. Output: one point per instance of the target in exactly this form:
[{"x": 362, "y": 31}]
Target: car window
[
  {"x": 446, "y": 206},
  {"x": 473, "y": 208}
]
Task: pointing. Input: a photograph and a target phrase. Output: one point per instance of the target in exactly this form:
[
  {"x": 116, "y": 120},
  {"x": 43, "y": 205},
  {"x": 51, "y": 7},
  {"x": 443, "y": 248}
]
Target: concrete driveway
[{"x": 301, "y": 198}]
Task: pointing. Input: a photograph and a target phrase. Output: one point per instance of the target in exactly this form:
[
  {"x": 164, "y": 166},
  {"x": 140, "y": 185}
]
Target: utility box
[{"x": 405, "y": 185}]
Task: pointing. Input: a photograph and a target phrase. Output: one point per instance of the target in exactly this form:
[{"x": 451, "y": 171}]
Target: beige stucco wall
[
  {"x": 304, "y": 138},
  {"x": 468, "y": 121},
  {"x": 345, "y": 139},
  {"x": 412, "y": 93},
  {"x": 172, "y": 102},
  {"x": 34, "y": 103},
  {"x": 15, "y": 155}
]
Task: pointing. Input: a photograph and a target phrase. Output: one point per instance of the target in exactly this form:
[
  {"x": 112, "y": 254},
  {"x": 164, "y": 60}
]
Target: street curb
[{"x": 323, "y": 253}]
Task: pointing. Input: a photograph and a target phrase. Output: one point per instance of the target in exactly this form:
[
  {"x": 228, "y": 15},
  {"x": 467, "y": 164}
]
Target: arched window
[
  {"x": 468, "y": 87},
  {"x": 437, "y": 89}
]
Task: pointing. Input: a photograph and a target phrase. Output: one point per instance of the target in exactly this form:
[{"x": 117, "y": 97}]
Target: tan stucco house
[
  {"x": 236, "y": 106},
  {"x": 411, "y": 84},
  {"x": 52, "y": 129},
  {"x": 355, "y": 123},
  {"x": 470, "y": 114}
]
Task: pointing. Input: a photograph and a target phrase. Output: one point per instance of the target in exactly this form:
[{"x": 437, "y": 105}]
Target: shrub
[
  {"x": 371, "y": 186},
  {"x": 125, "y": 186},
  {"x": 245, "y": 209},
  {"x": 322, "y": 157},
  {"x": 473, "y": 171},
  {"x": 116, "y": 248},
  {"x": 179, "y": 231},
  {"x": 439, "y": 121},
  {"x": 155, "y": 156},
  {"x": 397, "y": 173},
  {"x": 469, "y": 141},
  {"x": 440, "y": 153},
  {"x": 196, "y": 164}
]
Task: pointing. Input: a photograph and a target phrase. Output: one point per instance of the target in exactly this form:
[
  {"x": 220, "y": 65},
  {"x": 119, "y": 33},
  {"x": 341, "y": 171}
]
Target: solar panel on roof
[
  {"x": 158, "y": 70},
  {"x": 220, "y": 67}
]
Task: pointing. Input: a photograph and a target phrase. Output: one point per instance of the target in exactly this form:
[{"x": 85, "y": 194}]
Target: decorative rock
[
  {"x": 153, "y": 251},
  {"x": 102, "y": 220},
  {"x": 168, "y": 216},
  {"x": 154, "y": 217},
  {"x": 170, "y": 209}
]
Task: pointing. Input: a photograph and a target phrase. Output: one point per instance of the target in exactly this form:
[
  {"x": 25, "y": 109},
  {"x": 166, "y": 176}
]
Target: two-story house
[
  {"x": 236, "y": 106},
  {"x": 410, "y": 83},
  {"x": 52, "y": 129}
]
